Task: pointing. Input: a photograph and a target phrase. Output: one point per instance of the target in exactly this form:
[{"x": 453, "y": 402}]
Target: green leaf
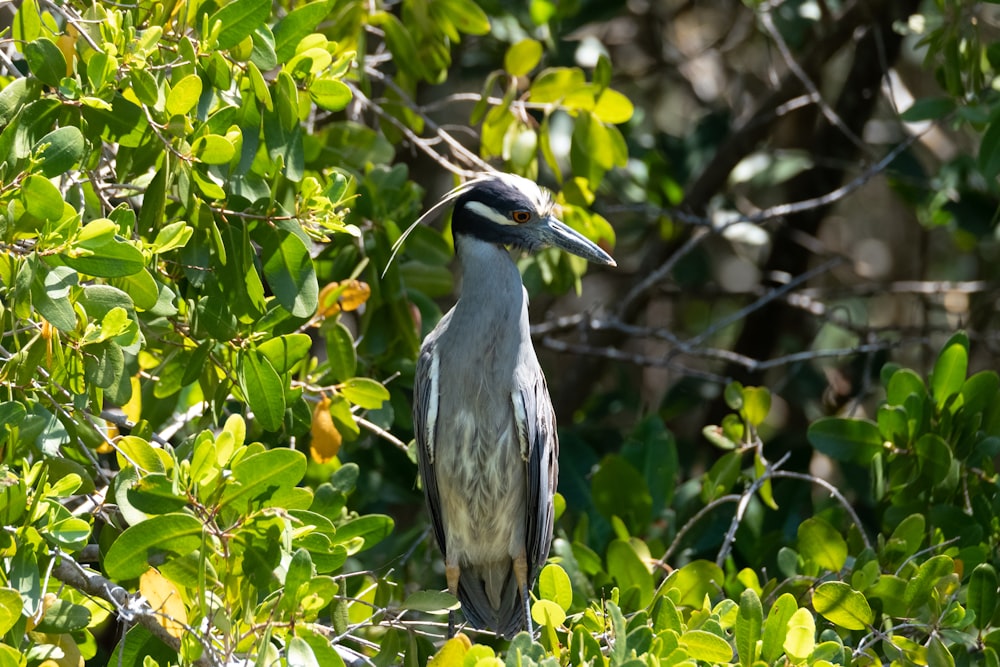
[
  {"x": 852, "y": 440},
  {"x": 706, "y": 646},
  {"x": 64, "y": 616},
  {"x": 298, "y": 23},
  {"x": 911, "y": 532},
  {"x": 613, "y": 107},
  {"x": 45, "y": 61},
  {"x": 982, "y": 594},
  {"x": 300, "y": 653},
  {"x": 15, "y": 95},
  {"x": 262, "y": 54},
  {"x": 213, "y": 149},
  {"x": 628, "y": 570},
  {"x": 340, "y": 351},
  {"x": 619, "y": 490},
  {"x": 263, "y": 388},
  {"x": 820, "y": 543},
  {"x": 10, "y": 609},
  {"x": 547, "y": 613},
  {"x": 892, "y": 424},
  {"x": 145, "y": 86},
  {"x": 842, "y": 605},
  {"x": 721, "y": 476},
  {"x": 372, "y": 528},
  {"x": 467, "y": 16},
  {"x": 286, "y": 352},
  {"x": 522, "y": 57},
  {"x": 989, "y": 151},
  {"x": 51, "y": 297},
  {"x": 938, "y": 654},
  {"x": 60, "y": 150},
  {"x": 801, "y": 637},
  {"x": 901, "y": 385},
  {"x": 919, "y": 586},
  {"x": 555, "y": 83},
  {"x": 184, "y": 94},
  {"x": 135, "y": 451},
  {"x": 27, "y": 24},
  {"x": 554, "y": 584},
  {"x": 748, "y": 626},
  {"x": 933, "y": 457},
  {"x": 155, "y": 494},
  {"x": 238, "y": 20},
  {"x": 262, "y": 475},
  {"x": 696, "y": 580},
  {"x": 169, "y": 534},
  {"x": 12, "y": 413},
  {"x": 104, "y": 363},
  {"x": 400, "y": 43},
  {"x": 431, "y": 602},
  {"x": 928, "y": 108},
  {"x": 41, "y": 198},
  {"x": 105, "y": 258},
  {"x": 950, "y": 369},
  {"x": 154, "y": 202},
  {"x": 330, "y": 94},
  {"x": 776, "y": 628},
  {"x": 756, "y": 404},
  {"x": 172, "y": 236},
  {"x": 289, "y": 272},
  {"x": 365, "y": 392}
]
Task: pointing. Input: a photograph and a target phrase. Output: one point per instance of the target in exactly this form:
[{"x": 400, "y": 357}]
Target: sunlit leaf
[
  {"x": 365, "y": 392},
  {"x": 801, "y": 637},
  {"x": 156, "y": 538},
  {"x": 522, "y": 57},
  {"x": 164, "y": 598},
  {"x": 820, "y": 543},
  {"x": 238, "y": 20},
  {"x": 554, "y": 585},
  {"x": 842, "y": 605}
]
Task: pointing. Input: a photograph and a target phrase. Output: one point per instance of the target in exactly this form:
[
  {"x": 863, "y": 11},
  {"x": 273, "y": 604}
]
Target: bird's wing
[
  {"x": 426, "y": 393},
  {"x": 541, "y": 468}
]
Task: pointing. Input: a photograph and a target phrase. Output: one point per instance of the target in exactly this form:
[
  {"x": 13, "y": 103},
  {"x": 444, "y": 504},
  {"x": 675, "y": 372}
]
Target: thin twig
[
  {"x": 835, "y": 492},
  {"x": 741, "y": 507}
]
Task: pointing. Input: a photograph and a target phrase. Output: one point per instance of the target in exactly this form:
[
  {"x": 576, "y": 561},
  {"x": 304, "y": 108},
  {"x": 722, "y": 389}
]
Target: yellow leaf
[
  {"x": 67, "y": 44},
  {"x": 133, "y": 409},
  {"x": 452, "y": 654},
  {"x": 164, "y": 598},
  {"x": 326, "y": 438},
  {"x": 343, "y": 296}
]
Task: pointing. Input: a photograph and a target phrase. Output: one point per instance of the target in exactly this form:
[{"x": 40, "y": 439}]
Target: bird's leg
[
  {"x": 521, "y": 576},
  {"x": 452, "y": 572}
]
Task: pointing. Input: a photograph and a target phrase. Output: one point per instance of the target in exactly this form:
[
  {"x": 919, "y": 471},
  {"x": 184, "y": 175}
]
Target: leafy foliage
[{"x": 206, "y": 352}]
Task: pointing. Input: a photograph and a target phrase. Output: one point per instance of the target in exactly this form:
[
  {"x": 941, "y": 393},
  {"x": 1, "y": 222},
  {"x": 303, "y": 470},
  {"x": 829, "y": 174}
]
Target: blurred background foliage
[{"x": 200, "y": 200}]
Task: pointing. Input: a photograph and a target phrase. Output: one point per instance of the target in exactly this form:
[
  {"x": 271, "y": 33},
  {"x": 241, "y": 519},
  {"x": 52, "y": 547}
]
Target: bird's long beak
[{"x": 556, "y": 233}]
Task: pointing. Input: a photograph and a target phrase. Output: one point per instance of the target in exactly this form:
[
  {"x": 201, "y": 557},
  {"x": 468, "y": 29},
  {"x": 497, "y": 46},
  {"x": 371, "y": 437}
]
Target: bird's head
[{"x": 509, "y": 210}]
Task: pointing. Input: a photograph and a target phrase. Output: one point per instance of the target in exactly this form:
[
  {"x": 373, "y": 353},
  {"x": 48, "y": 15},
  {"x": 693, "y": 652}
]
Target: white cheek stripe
[
  {"x": 432, "y": 405},
  {"x": 491, "y": 214}
]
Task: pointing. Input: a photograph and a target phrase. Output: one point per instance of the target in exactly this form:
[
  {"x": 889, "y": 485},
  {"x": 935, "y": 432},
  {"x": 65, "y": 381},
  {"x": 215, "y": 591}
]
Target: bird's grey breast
[{"x": 482, "y": 353}]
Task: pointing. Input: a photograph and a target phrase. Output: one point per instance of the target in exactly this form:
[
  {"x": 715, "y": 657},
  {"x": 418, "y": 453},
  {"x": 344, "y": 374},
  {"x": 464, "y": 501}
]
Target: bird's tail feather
[{"x": 477, "y": 585}]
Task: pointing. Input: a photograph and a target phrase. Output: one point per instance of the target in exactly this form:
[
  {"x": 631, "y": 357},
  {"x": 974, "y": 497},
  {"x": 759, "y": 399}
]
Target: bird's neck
[{"x": 490, "y": 279}]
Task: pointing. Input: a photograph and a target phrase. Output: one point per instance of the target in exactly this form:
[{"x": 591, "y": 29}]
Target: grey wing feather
[
  {"x": 542, "y": 469},
  {"x": 422, "y": 404}
]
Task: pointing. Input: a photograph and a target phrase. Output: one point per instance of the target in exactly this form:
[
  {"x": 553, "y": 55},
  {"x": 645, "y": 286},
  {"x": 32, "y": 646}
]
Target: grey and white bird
[{"x": 485, "y": 429}]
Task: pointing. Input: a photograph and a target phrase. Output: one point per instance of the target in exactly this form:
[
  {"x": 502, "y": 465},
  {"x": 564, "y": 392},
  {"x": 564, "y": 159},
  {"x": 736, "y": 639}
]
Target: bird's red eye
[{"x": 520, "y": 217}]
